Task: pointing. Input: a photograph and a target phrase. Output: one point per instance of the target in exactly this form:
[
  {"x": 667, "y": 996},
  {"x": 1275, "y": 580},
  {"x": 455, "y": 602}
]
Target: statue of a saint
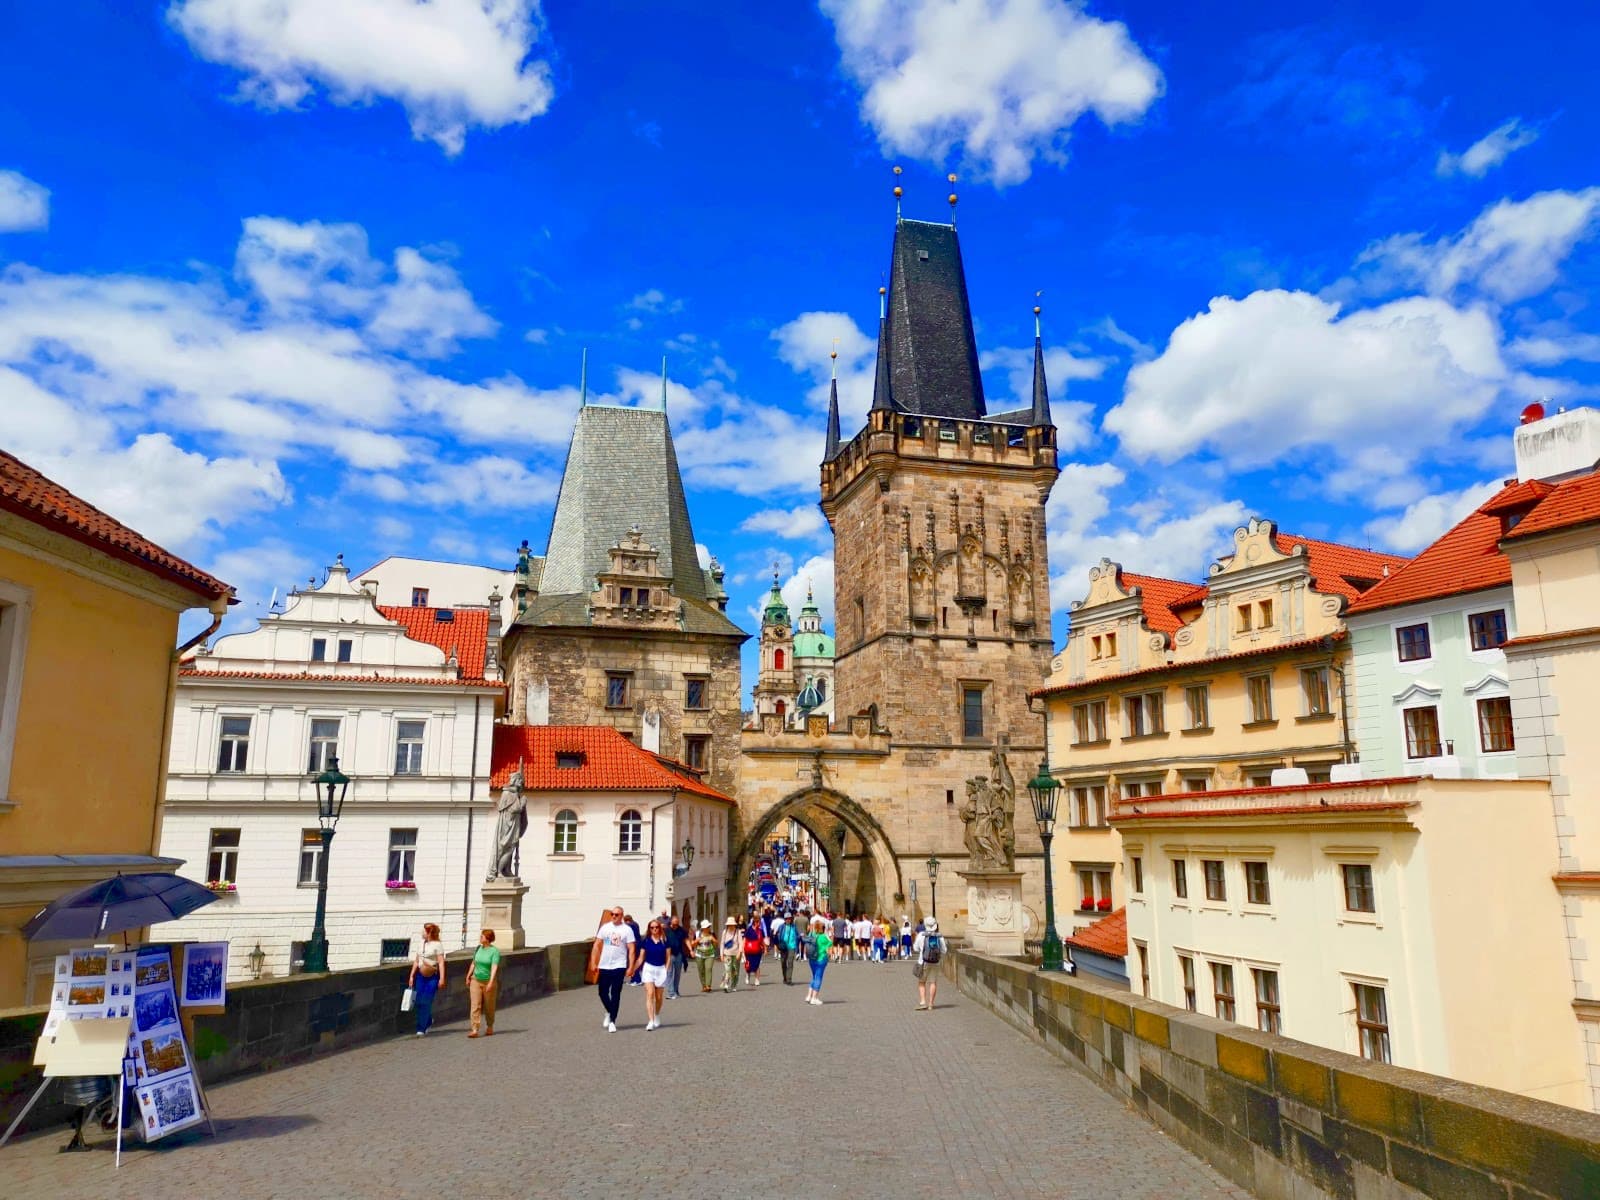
[
  {"x": 512, "y": 823},
  {"x": 988, "y": 816}
]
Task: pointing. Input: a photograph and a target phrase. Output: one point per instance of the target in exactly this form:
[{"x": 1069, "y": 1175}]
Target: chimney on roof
[{"x": 1558, "y": 446}]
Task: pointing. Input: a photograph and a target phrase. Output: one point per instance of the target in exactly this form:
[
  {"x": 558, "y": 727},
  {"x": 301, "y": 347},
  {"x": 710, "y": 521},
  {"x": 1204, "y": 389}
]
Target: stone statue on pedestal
[
  {"x": 988, "y": 815},
  {"x": 511, "y": 824}
]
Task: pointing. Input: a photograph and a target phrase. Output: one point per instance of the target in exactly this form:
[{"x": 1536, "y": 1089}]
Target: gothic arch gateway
[{"x": 862, "y": 868}]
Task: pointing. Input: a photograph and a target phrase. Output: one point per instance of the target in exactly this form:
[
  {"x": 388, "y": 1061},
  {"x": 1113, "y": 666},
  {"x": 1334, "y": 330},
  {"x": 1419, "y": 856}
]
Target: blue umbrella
[{"x": 113, "y": 905}]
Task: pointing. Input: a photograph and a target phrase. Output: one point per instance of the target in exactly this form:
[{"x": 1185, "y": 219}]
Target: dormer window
[{"x": 569, "y": 760}]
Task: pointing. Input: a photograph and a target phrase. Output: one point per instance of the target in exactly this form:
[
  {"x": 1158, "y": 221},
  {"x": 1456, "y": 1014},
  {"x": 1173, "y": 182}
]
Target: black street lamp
[
  {"x": 933, "y": 886},
  {"x": 1043, "y": 788},
  {"x": 686, "y": 857},
  {"x": 331, "y": 787}
]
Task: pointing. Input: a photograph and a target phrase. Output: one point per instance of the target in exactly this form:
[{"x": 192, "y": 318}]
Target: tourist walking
[
  {"x": 705, "y": 955},
  {"x": 484, "y": 983},
  {"x": 427, "y": 976},
  {"x": 755, "y": 944},
  {"x": 840, "y": 941},
  {"x": 732, "y": 954},
  {"x": 787, "y": 941},
  {"x": 618, "y": 950},
  {"x": 929, "y": 951},
  {"x": 817, "y": 946},
  {"x": 653, "y": 955},
  {"x": 905, "y": 937},
  {"x": 678, "y": 944},
  {"x": 633, "y": 971},
  {"x": 879, "y": 930}
]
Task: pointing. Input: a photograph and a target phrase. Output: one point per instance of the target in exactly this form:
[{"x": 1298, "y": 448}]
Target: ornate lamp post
[
  {"x": 331, "y": 787},
  {"x": 1043, "y": 788},
  {"x": 686, "y": 856},
  {"x": 933, "y": 886}
]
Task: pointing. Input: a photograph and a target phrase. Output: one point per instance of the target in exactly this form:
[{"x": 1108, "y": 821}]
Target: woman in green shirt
[{"x": 483, "y": 983}]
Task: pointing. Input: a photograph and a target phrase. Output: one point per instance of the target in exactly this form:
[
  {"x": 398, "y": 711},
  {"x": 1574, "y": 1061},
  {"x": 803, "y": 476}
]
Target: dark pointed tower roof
[
  {"x": 882, "y": 385},
  {"x": 1041, "y": 390},
  {"x": 830, "y": 449},
  {"x": 932, "y": 353}
]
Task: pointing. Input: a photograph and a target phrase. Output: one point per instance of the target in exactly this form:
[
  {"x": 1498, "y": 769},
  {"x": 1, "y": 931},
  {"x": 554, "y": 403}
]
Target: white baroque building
[{"x": 406, "y": 697}]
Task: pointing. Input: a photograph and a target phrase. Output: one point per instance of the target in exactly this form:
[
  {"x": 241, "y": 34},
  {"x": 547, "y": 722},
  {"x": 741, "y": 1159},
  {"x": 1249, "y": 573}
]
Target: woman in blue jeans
[
  {"x": 427, "y": 977},
  {"x": 817, "y": 944}
]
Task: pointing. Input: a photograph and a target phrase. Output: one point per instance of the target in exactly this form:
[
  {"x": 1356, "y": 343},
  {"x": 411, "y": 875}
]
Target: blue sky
[{"x": 284, "y": 280}]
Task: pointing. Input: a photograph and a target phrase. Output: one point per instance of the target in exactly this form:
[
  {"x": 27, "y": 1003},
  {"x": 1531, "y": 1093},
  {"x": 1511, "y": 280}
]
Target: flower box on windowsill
[
  {"x": 222, "y": 887},
  {"x": 1104, "y": 905},
  {"x": 1087, "y": 905},
  {"x": 400, "y": 885}
]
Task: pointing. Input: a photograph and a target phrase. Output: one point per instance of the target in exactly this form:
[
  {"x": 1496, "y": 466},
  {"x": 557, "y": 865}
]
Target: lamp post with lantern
[
  {"x": 331, "y": 786},
  {"x": 1044, "y": 791},
  {"x": 933, "y": 886}
]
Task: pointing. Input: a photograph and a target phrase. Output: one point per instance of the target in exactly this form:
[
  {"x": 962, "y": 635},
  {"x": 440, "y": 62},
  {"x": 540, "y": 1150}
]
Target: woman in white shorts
[{"x": 654, "y": 950}]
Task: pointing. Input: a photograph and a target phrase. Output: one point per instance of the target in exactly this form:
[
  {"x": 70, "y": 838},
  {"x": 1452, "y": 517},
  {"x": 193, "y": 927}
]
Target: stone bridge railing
[
  {"x": 273, "y": 1022},
  {"x": 1287, "y": 1119}
]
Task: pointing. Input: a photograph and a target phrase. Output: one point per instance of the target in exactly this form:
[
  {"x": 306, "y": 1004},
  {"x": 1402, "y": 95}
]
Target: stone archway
[{"x": 823, "y": 810}]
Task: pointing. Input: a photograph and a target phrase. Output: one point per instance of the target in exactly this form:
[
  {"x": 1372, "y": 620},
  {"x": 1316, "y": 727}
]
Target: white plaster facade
[
  {"x": 241, "y": 758},
  {"x": 443, "y": 584}
]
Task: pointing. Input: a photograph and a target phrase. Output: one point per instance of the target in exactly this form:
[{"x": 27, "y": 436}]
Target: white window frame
[
  {"x": 556, "y": 824},
  {"x": 16, "y": 613},
  {"x": 623, "y": 823},
  {"x": 404, "y": 868},
  {"x": 313, "y": 767},
  {"x": 224, "y": 738},
  {"x": 415, "y": 746},
  {"x": 315, "y": 851}
]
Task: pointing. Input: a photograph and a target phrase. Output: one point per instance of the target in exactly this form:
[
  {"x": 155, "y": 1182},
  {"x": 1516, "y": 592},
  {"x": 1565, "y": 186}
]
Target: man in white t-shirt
[{"x": 617, "y": 953}]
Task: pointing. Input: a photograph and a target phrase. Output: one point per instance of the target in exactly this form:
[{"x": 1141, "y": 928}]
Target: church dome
[
  {"x": 813, "y": 645},
  {"x": 808, "y": 698}
]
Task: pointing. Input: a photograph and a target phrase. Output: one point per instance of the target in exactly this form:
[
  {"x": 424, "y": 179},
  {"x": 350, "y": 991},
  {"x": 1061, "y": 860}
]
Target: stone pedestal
[
  {"x": 994, "y": 911},
  {"x": 502, "y": 911}
]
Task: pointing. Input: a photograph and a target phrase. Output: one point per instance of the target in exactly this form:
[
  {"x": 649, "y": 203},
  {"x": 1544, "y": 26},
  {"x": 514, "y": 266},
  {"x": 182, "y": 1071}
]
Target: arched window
[
  {"x": 822, "y": 688},
  {"x": 777, "y": 660},
  {"x": 780, "y": 708},
  {"x": 630, "y": 832},
  {"x": 566, "y": 832}
]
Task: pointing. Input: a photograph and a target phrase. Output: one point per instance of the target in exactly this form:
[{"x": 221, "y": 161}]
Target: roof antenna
[
  {"x": 583, "y": 380},
  {"x": 898, "y": 192},
  {"x": 952, "y": 180},
  {"x": 663, "y": 383}
]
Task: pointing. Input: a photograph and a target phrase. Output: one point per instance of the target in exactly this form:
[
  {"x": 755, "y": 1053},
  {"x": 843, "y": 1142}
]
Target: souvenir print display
[
  {"x": 205, "y": 974},
  {"x": 161, "y": 1054},
  {"x": 87, "y": 991},
  {"x": 154, "y": 967},
  {"x": 168, "y": 1098},
  {"x": 169, "y": 1105}
]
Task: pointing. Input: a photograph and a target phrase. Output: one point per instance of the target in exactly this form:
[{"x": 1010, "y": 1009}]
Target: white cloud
[
  {"x": 1263, "y": 379},
  {"x": 490, "y": 481},
  {"x": 816, "y": 573},
  {"x": 1073, "y": 418},
  {"x": 805, "y": 344},
  {"x": 450, "y": 64},
  {"x": 1488, "y": 152},
  {"x": 1512, "y": 250},
  {"x": 256, "y": 572},
  {"x": 1002, "y": 81},
  {"x": 654, "y": 300},
  {"x": 537, "y": 337},
  {"x": 1426, "y": 519},
  {"x": 24, "y": 204},
  {"x": 1548, "y": 349},
  {"x": 802, "y": 521}
]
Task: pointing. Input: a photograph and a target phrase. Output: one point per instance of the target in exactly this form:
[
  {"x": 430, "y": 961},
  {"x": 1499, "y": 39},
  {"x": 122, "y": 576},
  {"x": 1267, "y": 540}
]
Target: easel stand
[{"x": 92, "y": 1046}]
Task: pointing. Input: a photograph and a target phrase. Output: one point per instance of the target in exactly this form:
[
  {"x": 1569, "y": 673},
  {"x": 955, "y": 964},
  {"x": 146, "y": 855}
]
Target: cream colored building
[
  {"x": 1351, "y": 916},
  {"x": 1173, "y": 687}
]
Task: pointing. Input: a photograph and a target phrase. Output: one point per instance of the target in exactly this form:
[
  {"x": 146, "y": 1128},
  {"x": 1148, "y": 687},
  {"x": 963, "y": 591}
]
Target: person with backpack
[
  {"x": 787, "y": 941},
  {"x": 929, "y": 952},
  {"x": 755, "y": 945},
  {"x": 817, "y": 944}
]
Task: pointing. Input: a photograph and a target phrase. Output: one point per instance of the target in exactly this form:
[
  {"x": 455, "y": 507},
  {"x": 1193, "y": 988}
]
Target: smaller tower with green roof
[{"x": 776, "y": 686}]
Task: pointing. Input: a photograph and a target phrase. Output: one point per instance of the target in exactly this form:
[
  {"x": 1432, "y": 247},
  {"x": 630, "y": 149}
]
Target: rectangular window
[
  {"x": 319, "y": 649},
  {"x": 1256, "y": 888},
  {"x": 1258, "y": 691},
  {"x": 1494, "y": 725},
  {"x": 1261, "y": 779},
  {"x": 346, "y": 649},
  {"x": 310, "y": 857},
  {"x": 1136, "y": 869},
  {"x": 1222, "y": 991},
  {"x": 419, "y": 597},
  {"x": 1488, "y": 629},
  {"x": 402, "y": 856},
  {"x": 972, "y": 712},
  {"x": 1422, "y": 732},
  {"x": 324, "y": 743},
  {"x": 222, "y": 857},
  {"x": 694, "y": 693},
  {"x": 1095, "y": 886},
  {"x": 1372, "y": 1022},
  {"x": 1186, "y": 969},
  {"x": 1134, "y": 788},
  {"x": 1144, "y": 968},
  {"x": 1197, "y": 783},
  {"x": 1264, "y": 615},
  {"x": 1358, "y": 894},
  {"x": 1315, "y": 692},
  {"x": 1411, "y": 641},
  {"x": 1269, "y": 1013},
  {"x": 617, "y": 689},
  {"x": 1216, "y": 879},
  {"x": 233, "y": 751},
  {"x": 697, "y": 751},
  {"x": 1089, "y": 806},
  {"x": 1242, "y": 616},
  {"x": 408, "y": 747},
  {"x": 1089, "y": 721},
  {"x": 1145, "y": 714},
  {"x": 1197, "y": 699},
  {"x": 625, "y": 595},
  {"x": 1180, "y": 879},
  {"x": 392, "y": 950}
]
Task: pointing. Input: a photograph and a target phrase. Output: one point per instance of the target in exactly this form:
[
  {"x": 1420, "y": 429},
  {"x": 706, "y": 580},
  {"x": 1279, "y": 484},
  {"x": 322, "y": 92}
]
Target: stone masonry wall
[{"x": 1289, "y": 1120}]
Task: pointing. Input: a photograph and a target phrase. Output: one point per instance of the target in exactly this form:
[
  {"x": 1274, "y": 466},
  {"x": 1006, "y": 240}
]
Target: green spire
[{"x": 776, "y": 609}]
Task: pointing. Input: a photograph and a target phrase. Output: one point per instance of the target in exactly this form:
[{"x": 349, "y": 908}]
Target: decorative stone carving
[{"x": 988, "y": 817}]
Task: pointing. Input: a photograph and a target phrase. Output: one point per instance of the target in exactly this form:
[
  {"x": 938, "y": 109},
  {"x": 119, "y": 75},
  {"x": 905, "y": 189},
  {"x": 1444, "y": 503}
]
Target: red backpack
[{"x": 752, "y": 942}]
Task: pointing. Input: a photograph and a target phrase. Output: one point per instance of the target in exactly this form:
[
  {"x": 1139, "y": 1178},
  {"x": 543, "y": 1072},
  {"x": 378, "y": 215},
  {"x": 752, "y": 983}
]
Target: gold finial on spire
[
  {"x": 883, "y": 302},
  {"x": 898, "y": 192},
  {"x": 951, "y": 177},
  {"x": 835, "y": 357}
]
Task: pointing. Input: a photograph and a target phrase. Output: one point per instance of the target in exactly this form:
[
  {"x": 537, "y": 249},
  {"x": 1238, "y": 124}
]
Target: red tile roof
[
  {"x": 1466, "y": 559},
  {"x": 610, "y": 762},
  {"x": 30, "y": 495},
  {"x": 467, "y": 632},
  {"x": 1108, "y": 936},
  {"x": 1341, "y": 570},
  {"x": 347, "y": 680},
  {"x": 1572, "y": 502},
  {"x": 1197, "y": 664},
  {"x": 1163, "y": 599}
]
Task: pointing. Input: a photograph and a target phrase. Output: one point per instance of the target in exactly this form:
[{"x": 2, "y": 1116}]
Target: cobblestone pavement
[{"x": 736, "y": 1095}]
